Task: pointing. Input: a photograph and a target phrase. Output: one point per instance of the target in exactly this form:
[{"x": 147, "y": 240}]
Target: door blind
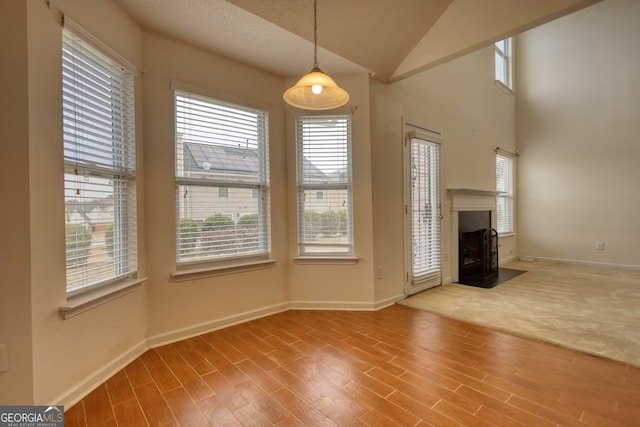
[{"x": 425, "y": 209}]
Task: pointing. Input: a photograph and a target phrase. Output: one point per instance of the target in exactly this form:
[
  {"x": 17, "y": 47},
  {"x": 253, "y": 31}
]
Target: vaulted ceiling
[{"x": 389, "y": 39}]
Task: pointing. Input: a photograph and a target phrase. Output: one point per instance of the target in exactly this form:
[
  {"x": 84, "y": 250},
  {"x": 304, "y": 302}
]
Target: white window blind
[
  {"x": 324, "y": 185},
  {"x": 503, "y": 62},
  {"x": 222, "y": 180},
  {"x": 504, "y": 184},
  {"x": 99, "y": 159},
  {"x": 425, "y": 209}
]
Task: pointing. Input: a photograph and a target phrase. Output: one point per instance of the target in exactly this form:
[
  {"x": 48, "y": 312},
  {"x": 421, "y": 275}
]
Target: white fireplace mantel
[{"x": 468, "y": 199}]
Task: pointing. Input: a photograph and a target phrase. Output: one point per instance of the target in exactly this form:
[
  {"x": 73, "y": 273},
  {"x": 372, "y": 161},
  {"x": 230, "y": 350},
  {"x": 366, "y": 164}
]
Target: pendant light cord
[{"x": 315, "y": 33}]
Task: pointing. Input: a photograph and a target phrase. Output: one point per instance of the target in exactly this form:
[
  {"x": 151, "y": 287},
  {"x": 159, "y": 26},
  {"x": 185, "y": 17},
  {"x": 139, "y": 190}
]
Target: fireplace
[
  {"x": 477, "y": 248},
  {"x": 473, "y": 216}
]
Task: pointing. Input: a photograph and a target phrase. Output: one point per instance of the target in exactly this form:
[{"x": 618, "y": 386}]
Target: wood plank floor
[{"x": 397, "y": 366}]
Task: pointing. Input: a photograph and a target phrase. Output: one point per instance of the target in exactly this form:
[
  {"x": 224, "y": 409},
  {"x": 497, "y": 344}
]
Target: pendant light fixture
[{"x": 316, "y": 90}]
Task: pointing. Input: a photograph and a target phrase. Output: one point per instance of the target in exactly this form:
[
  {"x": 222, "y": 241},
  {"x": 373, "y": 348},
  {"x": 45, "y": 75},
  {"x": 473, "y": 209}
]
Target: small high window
[
  {"x": 223, "y": 192},
  {"x": 503, "y": 62}
]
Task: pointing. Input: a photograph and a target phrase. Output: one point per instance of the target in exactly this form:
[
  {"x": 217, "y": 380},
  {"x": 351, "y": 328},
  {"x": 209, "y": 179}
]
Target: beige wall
[
  {"x": 67, "y": 352},
  {"x": 63, "y": 354},
  {"x": 16, "y": 385},
  {"x": 578, "y": 127},
  {"x": 331, "y": 285},
  {"x": 461, "y": 100},
  {"x": 192, "y": 306}
]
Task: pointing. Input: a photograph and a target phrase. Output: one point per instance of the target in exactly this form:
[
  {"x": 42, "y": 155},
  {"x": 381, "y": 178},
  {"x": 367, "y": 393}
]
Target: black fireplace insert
[{"x": 478, "y": 249}]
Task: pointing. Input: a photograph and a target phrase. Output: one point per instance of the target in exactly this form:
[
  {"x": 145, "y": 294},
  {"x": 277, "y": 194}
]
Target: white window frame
[
  {"x": 256, "y": 188},
  {"x": 99, "y": 158},
  {"x": 505, "y": 164},
  {"x": 504, "y": 63},
  {"x": 308, "y": 249}
]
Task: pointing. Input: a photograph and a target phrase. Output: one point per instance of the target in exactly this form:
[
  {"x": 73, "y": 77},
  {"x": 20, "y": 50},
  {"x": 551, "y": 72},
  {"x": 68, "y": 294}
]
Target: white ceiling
[{"x": 390, "y": 39}]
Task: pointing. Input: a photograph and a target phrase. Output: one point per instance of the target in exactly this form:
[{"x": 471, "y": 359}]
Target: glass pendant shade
[{"x": 316, "y": 91}]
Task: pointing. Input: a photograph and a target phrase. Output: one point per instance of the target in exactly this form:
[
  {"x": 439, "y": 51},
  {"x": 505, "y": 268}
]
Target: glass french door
[{"x": 422, "y": 209}]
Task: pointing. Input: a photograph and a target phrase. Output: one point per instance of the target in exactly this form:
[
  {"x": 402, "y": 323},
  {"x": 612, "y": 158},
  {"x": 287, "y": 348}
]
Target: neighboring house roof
[
  {"x": 312, "y": 170},
  {"x": 85, "y": 206},
  {"x": 77, "y": 217},
  {"x": 90, "y": 211},
  {"x": 227, "y": 160},
  {"x": 220, "y": 159},
  {"x": 100, "y": 215},
  {"x": 340, "y": 174}
]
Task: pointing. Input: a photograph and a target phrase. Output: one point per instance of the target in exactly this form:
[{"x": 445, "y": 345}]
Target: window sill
[
  {"x": 81, "y": 303},
  {"x": 324, "y": 260},
  {"x": 509, "y": 234},
  {"x": 505, "y": 88},
  {"x": 220, "y": 270}
]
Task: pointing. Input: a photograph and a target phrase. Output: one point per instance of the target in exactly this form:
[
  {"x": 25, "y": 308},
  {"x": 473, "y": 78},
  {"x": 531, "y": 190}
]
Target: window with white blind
[
  {"x": 222, "y": 180},
  {"x": 503, "y": 62},
  {"x": 325, "y": 224},
  {"x": 504, "y": 184},
  {"x": 99, "y": 166},
  {"x": 424, "y": 209}
]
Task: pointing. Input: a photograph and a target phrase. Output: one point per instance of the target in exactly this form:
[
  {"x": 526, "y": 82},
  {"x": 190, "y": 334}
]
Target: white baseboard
[
  {"x": 203, "y": 328},
  {"x": 86, "y": 386},
  {"x": 332, "y": 305},
  {"x": 587, "y": 263},
  {"x": 507, "y": 259},
  {"x": 384, "y": 303},
  {"x": 346, "y": 305}
]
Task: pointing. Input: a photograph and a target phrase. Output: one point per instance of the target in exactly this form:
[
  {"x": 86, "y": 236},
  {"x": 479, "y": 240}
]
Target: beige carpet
[{"x": 591, "y": 309}]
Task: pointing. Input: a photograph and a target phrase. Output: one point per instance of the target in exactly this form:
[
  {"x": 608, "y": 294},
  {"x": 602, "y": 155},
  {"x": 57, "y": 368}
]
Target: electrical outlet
[
  {"x": 600, "y": 246},
  {"x": 4, "y": 358},
  {"x": 379, "y": 272}
]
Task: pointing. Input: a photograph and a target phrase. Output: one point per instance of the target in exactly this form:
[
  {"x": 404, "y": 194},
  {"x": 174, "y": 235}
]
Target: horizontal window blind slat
[
  {"x": 323, "y": 185},
  {"x": 108, "y": 173},
  {"x": 216, "y": 117},
  {"x": 214, "y": 182},
  {"x": 98, "y": 92}
]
